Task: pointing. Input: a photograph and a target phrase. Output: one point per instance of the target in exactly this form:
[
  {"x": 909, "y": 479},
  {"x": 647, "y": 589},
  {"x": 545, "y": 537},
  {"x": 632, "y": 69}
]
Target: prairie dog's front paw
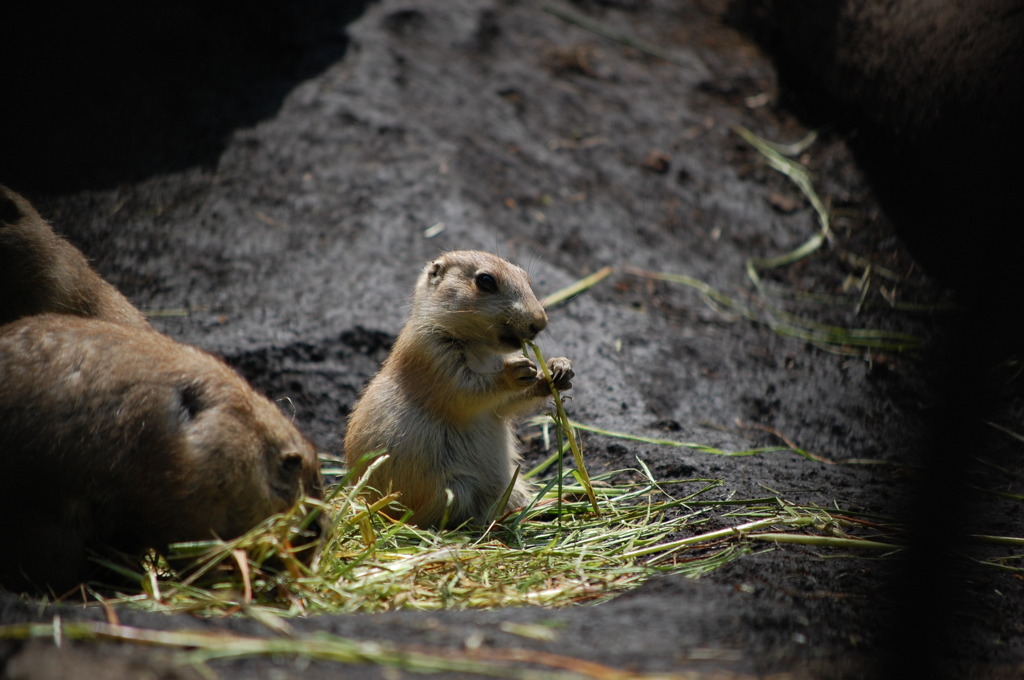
[
  {"x": 521, "y": 370},
  {"x": 561, "y": 373}
]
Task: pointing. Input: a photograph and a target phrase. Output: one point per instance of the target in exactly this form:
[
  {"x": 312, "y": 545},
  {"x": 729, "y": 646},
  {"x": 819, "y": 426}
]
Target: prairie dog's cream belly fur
[{"x": 444, "y": 402}]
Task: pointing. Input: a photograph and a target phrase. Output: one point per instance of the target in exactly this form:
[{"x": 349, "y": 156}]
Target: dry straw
[{"x": 369, "y": 562}]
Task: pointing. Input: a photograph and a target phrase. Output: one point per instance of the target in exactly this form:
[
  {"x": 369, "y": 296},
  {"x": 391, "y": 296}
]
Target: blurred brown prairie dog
[
  {"x": 443, "y": 403},
  {"x": 41, "y": 272},
  {"x": 117, "y": 438}
]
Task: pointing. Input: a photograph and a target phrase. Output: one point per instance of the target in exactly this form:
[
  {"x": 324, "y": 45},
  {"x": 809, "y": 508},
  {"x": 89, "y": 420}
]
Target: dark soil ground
[{"x": 265, "y": 187}]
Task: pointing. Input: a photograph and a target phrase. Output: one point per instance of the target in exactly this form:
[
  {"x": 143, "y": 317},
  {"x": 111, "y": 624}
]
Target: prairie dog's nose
[{"x": 538, "y": 323}]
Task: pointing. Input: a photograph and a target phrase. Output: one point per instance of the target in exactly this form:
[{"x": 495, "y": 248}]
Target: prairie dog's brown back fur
[
  {"x": 41, "y": 272},
  {"x": 115, "y": 437},
  {"x": 443, "y": 403}
]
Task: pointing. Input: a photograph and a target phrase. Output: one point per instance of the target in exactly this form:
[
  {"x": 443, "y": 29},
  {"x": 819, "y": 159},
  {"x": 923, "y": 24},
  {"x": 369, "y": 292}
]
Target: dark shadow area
[
  {"x": 101, "y": 94},
  {"x": 930, "y": 96},
  {"x": 931, "y": 103}
]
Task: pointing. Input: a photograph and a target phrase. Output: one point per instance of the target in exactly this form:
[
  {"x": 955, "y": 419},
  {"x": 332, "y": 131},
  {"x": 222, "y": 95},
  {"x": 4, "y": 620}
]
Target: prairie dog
[
  {"x": 443, "y": 403},
  {"x": 41, "y": 272},
  {"x": 118, "y": 438}
]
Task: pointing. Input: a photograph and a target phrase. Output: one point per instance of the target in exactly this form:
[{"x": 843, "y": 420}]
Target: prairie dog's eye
[{"x": 486, "y": 282}]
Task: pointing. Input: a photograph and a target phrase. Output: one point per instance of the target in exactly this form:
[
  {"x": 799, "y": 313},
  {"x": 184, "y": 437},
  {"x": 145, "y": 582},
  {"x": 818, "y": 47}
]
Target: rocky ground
[{"x": 269, "y": 186}]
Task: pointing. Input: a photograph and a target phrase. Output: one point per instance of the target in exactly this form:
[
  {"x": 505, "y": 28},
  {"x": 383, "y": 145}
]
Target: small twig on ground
[
  {"x": 597, "y": 28},
  {"x": 575, "y": 289},
  {"x": 793, "y": 447}
]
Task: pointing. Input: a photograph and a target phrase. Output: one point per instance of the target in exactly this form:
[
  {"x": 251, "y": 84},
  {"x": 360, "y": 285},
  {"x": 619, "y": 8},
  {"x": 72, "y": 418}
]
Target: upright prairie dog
[
  {"x": 443, "y": 403},
  {"x": 41, "y": 272},
  {"x": 116, "y": 438}
]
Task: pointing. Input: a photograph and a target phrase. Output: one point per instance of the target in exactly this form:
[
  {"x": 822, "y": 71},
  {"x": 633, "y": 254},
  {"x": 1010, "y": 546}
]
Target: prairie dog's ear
[
  {"x": 287, "y": 479},
  {"x": 191, "y": 401},
  {"x": 435, "y": 271},
  {"x": 10, "y": 211}
]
